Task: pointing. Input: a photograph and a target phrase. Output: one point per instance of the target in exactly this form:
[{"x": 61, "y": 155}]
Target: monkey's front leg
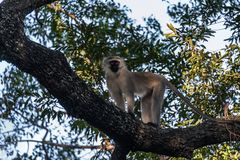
[
  {"x": 130, "y": 102},
  {"x": 119, "y": 100}
]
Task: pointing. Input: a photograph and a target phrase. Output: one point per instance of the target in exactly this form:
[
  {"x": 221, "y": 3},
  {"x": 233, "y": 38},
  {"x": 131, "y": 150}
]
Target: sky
[{"x": 157, "y": 8}]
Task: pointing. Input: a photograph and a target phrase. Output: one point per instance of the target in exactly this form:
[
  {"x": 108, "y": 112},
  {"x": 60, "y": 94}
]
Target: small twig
[{"x": 103, "y": 146}]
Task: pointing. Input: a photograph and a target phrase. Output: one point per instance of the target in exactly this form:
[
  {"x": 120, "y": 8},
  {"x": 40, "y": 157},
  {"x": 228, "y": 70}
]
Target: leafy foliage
[
  {"x": 198, "y": 15},
  {"x": 86, "y": 31},
  {"x": 32, "y": 115}
]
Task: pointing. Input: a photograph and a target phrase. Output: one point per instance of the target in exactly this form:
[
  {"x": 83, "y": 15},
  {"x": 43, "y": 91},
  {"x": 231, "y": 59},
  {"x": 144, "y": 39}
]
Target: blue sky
[{"x": 157, "y": 8}]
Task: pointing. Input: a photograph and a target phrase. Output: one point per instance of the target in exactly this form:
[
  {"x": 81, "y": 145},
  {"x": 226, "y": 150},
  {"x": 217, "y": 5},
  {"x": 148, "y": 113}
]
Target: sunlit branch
[{"x": 64, "y": 145}]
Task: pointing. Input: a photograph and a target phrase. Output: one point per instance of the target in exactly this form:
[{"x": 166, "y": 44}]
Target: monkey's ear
[
  {"x": 104, "y": 59},
  {"x": 104, "y": 62}
]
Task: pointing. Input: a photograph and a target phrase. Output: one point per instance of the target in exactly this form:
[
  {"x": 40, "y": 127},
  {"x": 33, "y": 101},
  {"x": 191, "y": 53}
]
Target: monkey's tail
[{"x": 196, "y": 110}]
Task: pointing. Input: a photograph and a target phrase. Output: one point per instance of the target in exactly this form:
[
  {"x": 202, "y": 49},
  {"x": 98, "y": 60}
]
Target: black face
[{"x": 114, "y": 65}]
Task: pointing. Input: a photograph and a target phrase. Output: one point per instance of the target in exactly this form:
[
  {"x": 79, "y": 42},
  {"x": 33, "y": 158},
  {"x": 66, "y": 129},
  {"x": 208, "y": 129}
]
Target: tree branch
[
  {"x": 119, "y": 152},
  {"x": 25, "y": 7},
  {"x": 64, "y": 145},
  {"x": 52, "y": 70}
]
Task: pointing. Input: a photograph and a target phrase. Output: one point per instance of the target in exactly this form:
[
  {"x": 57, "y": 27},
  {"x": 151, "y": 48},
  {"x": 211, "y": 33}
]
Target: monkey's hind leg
[
  {"x": 146, "y": 108},
  {"x": 157, "y": 102}
]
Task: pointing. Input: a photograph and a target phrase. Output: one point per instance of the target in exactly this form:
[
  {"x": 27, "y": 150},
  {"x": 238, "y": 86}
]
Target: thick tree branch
[
  {"x": 52, "y": 70},
  {"x": 120, "y": 152},
  {"x": 26, "y": 6}
]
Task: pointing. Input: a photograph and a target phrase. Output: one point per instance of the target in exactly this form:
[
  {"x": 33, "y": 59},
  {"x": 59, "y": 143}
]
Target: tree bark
[
  {"x": 119, "y": 152},
  {"x": 52, "y": 70}
]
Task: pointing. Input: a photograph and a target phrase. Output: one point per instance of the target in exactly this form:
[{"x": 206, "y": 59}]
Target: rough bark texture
[
  {"x": 119, "y": 152},
  {"x": 53, "y": 71}
]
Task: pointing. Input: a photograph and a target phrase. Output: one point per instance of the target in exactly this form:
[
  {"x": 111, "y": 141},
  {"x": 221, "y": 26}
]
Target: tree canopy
[{"x": 54, "y": 101}]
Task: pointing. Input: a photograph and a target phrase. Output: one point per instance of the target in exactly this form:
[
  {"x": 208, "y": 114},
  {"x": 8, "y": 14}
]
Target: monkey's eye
[{"x": 114, "y": 63}]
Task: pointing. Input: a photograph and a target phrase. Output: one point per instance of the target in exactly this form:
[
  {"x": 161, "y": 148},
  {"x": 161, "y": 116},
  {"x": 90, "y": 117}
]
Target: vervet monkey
[{"x": 124, "y": 84}]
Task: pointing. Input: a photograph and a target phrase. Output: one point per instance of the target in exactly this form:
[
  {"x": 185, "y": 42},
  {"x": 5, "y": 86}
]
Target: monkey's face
[{"x": 114, "y": 65}]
